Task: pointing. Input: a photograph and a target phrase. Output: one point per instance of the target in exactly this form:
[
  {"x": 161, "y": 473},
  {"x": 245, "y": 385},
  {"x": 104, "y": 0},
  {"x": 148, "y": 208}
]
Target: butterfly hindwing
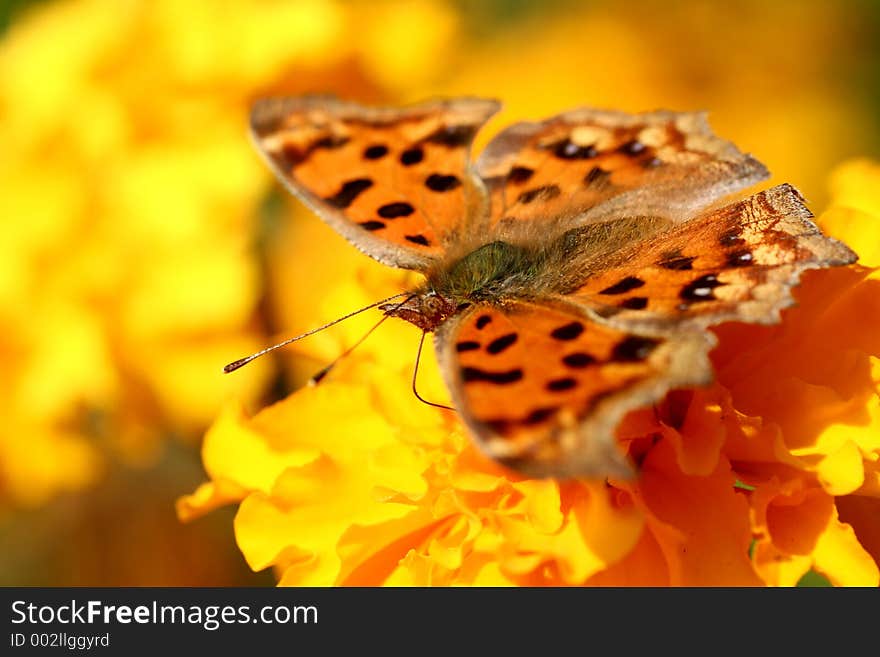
[
  {"x": 542, "y": 387},
  {"x": 733, "y": 263},
  {"x": 590, "y": 165},
  {"x": 397, "y": 183}
]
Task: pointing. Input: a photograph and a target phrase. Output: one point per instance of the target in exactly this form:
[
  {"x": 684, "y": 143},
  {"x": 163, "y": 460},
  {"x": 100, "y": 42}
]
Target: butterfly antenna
[
  {"x": 316, "y": 378},
  {"x": 241, "y": 362},
  {"x": 416, "y": 374}
]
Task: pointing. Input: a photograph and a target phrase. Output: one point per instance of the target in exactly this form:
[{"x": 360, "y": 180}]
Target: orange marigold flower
[{"x": 770, "y": 473}]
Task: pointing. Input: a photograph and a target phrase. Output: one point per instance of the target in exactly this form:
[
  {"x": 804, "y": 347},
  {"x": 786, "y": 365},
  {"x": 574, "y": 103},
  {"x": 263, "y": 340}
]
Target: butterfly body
[
  {"x": 489, "y": 272},
  {"x": 570, "y": 273},
  {"x": 525, "y": 269}
]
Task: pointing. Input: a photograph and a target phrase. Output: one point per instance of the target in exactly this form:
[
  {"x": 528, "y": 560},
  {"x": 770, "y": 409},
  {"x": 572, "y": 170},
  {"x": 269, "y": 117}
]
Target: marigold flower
[
  {"x": 127, "y": 270},
  {"x": 770, "y": 473}
]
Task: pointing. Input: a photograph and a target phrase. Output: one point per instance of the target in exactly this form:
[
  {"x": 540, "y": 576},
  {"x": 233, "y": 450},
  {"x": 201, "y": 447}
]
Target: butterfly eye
[
  {"x": 436, "y": 307},
  {"x": 432, "y": 304}
]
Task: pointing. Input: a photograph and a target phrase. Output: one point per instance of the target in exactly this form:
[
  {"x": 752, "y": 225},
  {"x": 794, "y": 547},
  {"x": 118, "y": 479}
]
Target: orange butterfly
[{"x": 570, "y": 273}]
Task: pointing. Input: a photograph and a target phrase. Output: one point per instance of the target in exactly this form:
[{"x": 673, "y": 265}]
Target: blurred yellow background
[{"x": 143, "y": 244}]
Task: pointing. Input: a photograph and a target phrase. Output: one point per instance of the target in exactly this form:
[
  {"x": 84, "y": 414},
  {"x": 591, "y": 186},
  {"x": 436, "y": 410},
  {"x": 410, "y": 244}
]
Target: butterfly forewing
[
  {"x": 395, "y": 182},
  {"x": 542, "y": 387},
  {"x": 591, "y": 165}
]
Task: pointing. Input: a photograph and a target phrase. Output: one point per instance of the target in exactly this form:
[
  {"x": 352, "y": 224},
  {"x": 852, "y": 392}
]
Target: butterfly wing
[
  {"x": 542, "y": 386},
  {"x": 397, "y": 183},
  {"x": 592, "y": 165},
  {"x": 738, "y": 262}
]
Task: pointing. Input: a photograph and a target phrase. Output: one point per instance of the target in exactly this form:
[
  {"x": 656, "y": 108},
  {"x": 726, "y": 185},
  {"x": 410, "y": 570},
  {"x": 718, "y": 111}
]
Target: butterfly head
[{"x": 426, "y": 309}]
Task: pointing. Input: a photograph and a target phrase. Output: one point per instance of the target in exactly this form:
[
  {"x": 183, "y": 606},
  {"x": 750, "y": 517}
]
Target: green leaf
[{"x": 812, "y": 578}]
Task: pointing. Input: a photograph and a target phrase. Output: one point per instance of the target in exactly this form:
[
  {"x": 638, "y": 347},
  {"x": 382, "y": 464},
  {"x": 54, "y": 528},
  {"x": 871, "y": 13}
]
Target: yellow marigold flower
[
  {"x": 855, "y": 207},
  {"x": 768, "y": 474},
  {"x": 127, "y": 268}
]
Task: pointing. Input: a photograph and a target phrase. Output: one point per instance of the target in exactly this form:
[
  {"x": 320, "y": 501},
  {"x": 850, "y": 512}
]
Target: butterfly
[{"x": 570, "y": 272}]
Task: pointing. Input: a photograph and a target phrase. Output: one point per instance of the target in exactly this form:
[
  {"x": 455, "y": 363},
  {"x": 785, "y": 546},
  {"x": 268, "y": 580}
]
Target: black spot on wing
[
  {"x": 634, "y": 303},
  {"x": 483, "y": 321},
  {"x": 632, "y": 147},
  {"x": 676, "y": 261},
  {"x": 375, "y": 152},
  {"x": 740, "y": 258},
  {"x": 418, "y": 239},
  {"x": 543, "y": 193},
  {"x": 396, "y": 209},
  {"x": 578, "y": 360},
  {"x": 568, "y": 150},
  {"x": 349, "y": 192},
  {"x": 475, "y": 374},
  {"x": 453, "y": 136},
  {"x": 539, "y": 415},
  {"x": 500, "y": 344},
  {"x": 519, "y": 175},
  {"x": 595, "y": 176},
  {"x": 372, "y": 225},
  {"x": 441, "y": 183},
  {"x": 633, "y": 348},
  {"x": 331, "y": 142},
  {"x": 701, "y": 289},
  {"x": 624, "y": 285},
  {"x": 567, "y": 332},
  {"x": 467, "y": 345},
  {"x": 561, "y": 385},
  {"x": 732, "y": 237},
  {"x": 412, "y": 156},
  {"x": 293, "y": 155}
]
